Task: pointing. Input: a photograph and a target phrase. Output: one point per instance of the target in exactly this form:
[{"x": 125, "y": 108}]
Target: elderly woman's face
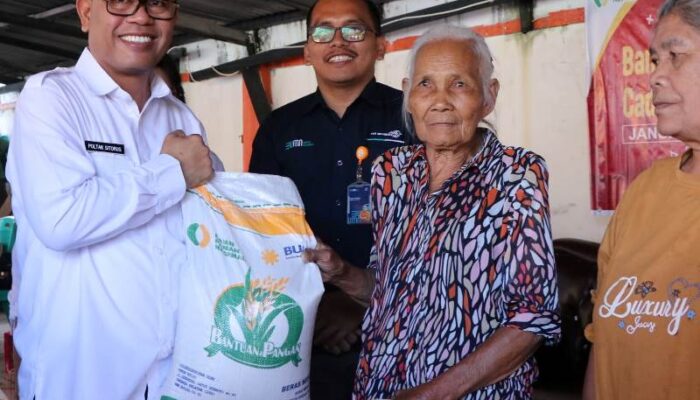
[
  {"x": 447, "y": 99},
  {"x": 675, "y": 50}
]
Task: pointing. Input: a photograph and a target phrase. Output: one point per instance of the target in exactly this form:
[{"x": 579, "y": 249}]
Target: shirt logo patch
[
  {"x": 114, "y": 148},
  {"x": 391, "y": 136},
  {"x": 640, "y": 305},
  {"x": 296, "y": 143}
]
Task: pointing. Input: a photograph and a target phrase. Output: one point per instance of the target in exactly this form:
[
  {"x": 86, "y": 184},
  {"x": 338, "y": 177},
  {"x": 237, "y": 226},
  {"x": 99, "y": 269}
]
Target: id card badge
[
  {"x": 358, "y": 211},
  {"x": 358, "y": 204}
]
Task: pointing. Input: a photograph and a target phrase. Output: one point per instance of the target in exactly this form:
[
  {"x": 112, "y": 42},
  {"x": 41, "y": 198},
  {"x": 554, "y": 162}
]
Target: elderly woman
[
  {"x": 462, "y": 286},
  {"x": 646, "y": 330}
]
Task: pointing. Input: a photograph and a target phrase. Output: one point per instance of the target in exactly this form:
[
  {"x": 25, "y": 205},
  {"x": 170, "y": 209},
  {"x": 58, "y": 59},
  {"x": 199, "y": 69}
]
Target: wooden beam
[
  {"x": 265, "y": 57},
  {"x": 209, "y": 28},
  {"x": 42, "y": 25},
  {"x": 56, "y": 11},
  {"x": 440, "y": 11},
  {"x": 256, "y": 91},
  {"x": 4, "y": 64},
  {"x": 527, "y": 19},
  {"x": 296, "y": 4},
  {"x": 9, "y": 79},
  {"x": 40, "y": 48}
]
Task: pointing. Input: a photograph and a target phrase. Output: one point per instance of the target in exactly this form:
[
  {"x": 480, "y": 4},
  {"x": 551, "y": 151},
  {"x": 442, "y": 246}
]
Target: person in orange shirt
[{"x": 645, "y": 326}]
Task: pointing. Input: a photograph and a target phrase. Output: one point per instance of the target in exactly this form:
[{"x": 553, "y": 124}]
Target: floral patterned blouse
[{"x": 455, "y": 265}]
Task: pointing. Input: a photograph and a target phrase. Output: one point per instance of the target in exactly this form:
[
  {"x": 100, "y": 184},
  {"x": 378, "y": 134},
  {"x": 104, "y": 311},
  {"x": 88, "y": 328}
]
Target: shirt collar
[
  {"x": 488, "y": 147},
  {"x": 159, "y": 88},
  {"x": 316, "y": 100},
  {"x": 94, "y": 75},
  {"x": 99, "y": 81},
  {"x": 369, "y": 94}
]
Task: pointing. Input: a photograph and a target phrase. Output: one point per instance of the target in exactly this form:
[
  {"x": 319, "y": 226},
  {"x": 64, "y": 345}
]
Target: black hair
[
  {"x": 374, "y": 10},
  {"x": 169, "y": 66}
]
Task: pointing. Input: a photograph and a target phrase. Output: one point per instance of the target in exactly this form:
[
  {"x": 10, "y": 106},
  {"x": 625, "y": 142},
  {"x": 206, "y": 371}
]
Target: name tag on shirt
[{"x": 114, "y": 148}]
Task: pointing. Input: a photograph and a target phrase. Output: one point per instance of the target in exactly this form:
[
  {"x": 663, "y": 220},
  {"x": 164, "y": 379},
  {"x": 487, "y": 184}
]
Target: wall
[
  {"x": 6, "y": 119},
  {"x": 291, "y": 83},
  {"x": 7, "y": 112},
  {"x": 541, "y": 106},
  {"x": 217, "y": 103}
]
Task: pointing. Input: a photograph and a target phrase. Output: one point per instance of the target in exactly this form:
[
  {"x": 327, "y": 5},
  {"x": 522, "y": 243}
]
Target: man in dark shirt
[{"x": 313, "y": 141}]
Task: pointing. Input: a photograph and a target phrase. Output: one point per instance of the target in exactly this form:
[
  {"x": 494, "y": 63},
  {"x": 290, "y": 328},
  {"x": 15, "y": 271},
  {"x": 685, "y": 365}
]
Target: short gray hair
[
  {"x": 687, "y": 10},
  {"x": 457, "y": 33}
]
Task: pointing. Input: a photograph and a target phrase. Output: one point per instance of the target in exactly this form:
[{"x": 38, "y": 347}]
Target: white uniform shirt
[{"x": 100, "y": 238}]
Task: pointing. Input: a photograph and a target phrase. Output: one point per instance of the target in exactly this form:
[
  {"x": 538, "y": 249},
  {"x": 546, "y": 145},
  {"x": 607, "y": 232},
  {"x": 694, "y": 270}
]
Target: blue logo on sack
[{"x": 293, "y": 251}]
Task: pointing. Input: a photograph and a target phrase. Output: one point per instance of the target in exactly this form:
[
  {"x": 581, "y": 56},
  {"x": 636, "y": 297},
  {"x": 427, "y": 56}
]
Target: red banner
[{"x": 622, "y": 124}]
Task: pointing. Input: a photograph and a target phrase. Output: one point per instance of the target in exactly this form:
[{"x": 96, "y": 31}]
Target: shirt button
[
  {"x": 338, "y": 203},
  {"x": 339, "y": 163},
  {"x": 337, "y": 240}
]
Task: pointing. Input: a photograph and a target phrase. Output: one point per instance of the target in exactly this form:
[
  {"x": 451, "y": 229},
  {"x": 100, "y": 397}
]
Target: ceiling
[{"x": 36, "y": 35}]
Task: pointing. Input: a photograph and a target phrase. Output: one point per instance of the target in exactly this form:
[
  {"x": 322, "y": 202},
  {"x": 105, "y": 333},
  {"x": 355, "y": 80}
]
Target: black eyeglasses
[
  {"x": 156, "y": 9},
  {"x": 350, "y": 33}
]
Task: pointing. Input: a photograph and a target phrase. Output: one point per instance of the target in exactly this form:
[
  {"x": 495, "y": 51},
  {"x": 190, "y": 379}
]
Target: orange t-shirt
[{"x": 646, "y": 326}]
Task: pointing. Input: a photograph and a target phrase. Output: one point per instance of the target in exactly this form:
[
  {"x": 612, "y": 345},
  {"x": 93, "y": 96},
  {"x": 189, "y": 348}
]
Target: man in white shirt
[{"x": 101, "y": 156}]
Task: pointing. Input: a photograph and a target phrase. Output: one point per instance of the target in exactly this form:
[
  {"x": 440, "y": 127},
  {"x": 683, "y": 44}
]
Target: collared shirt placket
[
  {"x": 338, "y": 182},
  {"x": 426, "y": 206},
  {"x": 431, "y": 210},
  {"x": 163, "y": 276}
]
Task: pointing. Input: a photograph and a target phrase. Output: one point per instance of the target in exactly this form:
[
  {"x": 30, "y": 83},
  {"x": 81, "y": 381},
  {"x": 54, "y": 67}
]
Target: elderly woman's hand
[
  {"x": 356, "y": 282},
  {"x": 328, "y": 261},
  {"x": 427, "y": 391}
]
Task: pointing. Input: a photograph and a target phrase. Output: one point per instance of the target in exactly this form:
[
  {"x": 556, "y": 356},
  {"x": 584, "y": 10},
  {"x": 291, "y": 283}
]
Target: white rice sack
[{"x": 248, "y": 302}]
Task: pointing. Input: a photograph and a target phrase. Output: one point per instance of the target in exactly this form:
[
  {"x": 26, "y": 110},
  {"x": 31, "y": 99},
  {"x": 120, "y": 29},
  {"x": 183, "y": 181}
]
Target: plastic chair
[{"x": 8, "y": 233}]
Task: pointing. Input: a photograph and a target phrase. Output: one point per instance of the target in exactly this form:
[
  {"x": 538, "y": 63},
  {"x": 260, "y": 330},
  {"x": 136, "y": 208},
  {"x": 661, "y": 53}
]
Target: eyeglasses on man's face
[
  {"x": 349, "y": 33},
  {"x": 156, "y": 9}
]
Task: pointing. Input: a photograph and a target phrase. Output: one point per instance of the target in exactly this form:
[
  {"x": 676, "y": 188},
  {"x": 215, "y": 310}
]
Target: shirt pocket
[{"x": 107, "y": 164}]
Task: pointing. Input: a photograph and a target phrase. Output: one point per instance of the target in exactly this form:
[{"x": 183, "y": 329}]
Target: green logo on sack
[
  {"x": 227, "y": 247},
  {"x": 258, "y": 308},
  {"x": 199, "y": 235}
]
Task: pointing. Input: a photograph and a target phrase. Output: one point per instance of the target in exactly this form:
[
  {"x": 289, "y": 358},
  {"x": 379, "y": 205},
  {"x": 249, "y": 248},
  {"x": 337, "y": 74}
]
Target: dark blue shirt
[{"x": 307, "y": 142}]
